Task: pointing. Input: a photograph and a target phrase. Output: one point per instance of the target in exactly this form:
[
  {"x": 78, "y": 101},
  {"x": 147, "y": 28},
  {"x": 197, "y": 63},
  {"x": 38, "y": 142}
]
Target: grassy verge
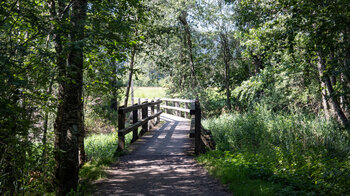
[
  {"x": 100, "y": 150},
  {"x": 267, "y": 153}
]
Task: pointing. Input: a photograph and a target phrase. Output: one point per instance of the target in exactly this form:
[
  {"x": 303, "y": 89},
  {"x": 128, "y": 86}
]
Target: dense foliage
[{"x": 64, "y": 65}]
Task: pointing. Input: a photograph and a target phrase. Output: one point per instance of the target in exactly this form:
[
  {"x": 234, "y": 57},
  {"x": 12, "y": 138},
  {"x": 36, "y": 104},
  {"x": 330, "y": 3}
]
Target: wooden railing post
[
  {"x": 152, "y": 113},
  {"x": 199, "y": 148},
  {"x": 186, "y": 107},
  {"x": 144, "y": 115},
  {"x": 177, "y": 112},
  {"x": 139, "y": 111},
  {"x": 167, "y": 110},
  {"x": 121, "y": 125},
  {"x": 158, "y": 110},
  {"x": 134, "y": 120}
]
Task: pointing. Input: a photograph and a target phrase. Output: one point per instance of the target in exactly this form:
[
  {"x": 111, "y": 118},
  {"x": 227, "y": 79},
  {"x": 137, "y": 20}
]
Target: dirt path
[{"x": 160, "y": 164}]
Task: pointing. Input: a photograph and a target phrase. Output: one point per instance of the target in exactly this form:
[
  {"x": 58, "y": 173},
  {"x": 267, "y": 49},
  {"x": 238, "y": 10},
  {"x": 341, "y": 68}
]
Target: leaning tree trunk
[
  {"x": 326, "y": 82},
  {"x": 133, "y": 52}
]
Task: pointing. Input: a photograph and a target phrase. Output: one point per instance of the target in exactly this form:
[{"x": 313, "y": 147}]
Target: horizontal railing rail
[
  {"x": 177, "y": 107},
  {"x": 144, "y": 121}
]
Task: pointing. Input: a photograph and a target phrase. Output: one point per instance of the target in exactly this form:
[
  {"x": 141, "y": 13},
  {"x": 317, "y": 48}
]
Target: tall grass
[
  {"x": 101, "y": 147},
  {"x": 304, "y": 153},
  {"x": 100, "y": 152}
]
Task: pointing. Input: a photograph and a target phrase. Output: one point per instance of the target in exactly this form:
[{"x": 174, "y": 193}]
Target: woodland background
[{"x": 273, "y": 78}]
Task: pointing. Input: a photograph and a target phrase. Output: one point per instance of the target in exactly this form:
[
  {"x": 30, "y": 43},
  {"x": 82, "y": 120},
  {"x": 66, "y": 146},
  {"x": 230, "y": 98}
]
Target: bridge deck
[{"x": 160, "y": 164}]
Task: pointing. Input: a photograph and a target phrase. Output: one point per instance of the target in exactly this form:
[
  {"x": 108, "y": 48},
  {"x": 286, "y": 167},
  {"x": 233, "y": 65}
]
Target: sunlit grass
[
  {"x": 100, "y": 151},
  {"x": 149, "y": 92},
  {"x": 263, "y": 152}
]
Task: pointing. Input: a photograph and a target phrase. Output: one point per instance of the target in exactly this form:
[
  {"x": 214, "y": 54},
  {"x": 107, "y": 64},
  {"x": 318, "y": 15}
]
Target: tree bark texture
[
  {"x": 227, "y": 59},
  {"x": 133, "y": 52},
  {"x": 69, "y": 128},
  {"x": 326, "y": 82},
  {"x": 345, "y": 75},
  {"x": 188, "y": 44},
  {"x": 114, "y": 100}
]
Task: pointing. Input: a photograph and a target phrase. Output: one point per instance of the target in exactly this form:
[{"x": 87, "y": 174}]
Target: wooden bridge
[
  {"x": 160, "y": 159},
  {"x": 146, "y": 114}
]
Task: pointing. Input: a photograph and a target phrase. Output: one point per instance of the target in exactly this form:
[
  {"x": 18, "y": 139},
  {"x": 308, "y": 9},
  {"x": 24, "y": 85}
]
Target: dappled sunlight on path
[{"x": 160, "y": 164}]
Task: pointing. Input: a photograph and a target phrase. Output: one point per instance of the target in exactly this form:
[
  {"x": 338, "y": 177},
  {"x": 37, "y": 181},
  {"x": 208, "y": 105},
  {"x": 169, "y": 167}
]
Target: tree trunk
[
  {"x": 114, "y": 100},
  {"x": 132, "y": 92},
  {"x": 345, "y": 75},
  {"x": 257, "y": 64},
  {"x": 188, "y": 41},
  {"x": 324, "y": 99},
  {"x": 227, "y": 59},
  {"x": 82, "y": 154},
  {"x": 60, "y": 128},
  {"x": 69, "y": 121},
  {"x": 343, "y": 101},
  {"x": 325, "y": 81},
  {"x": 46, "y": 122},
  {"x": 133, "y": 52}
]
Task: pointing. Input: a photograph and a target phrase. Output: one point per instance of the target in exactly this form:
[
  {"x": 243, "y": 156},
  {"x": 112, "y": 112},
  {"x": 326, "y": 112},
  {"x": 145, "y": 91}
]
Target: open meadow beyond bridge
[{"x": 160, "y": 163}]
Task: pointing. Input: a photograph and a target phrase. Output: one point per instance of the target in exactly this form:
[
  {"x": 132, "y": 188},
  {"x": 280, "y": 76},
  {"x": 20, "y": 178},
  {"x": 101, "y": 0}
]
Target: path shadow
[{"x": 160, "y": 165}]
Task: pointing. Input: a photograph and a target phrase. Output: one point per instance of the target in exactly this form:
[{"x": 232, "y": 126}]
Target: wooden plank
[
  {"x": 175, "y": 108},
  {"x": 178, "y": 100},
  {"x": 156, "y": 115},
  {"x": 133, "y": 126},
  {"x": 138, "y": 124},
  {"x": 136, "y": 107},
  {"x": 155, "y": 103},
  {"x": 207, "y": 138}
]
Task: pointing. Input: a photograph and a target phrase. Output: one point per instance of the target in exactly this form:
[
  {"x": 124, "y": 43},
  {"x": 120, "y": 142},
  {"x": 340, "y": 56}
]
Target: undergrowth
[
  {"x": 100, "y": 152},
  {"x": 263, "y": 152}
]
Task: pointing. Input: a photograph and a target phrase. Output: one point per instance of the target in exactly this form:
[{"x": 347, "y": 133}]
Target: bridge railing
[
  {"x": 138, "y": 119},
  {"x": 177, "y": 107},
  {"x": 203, "y": 138}
]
